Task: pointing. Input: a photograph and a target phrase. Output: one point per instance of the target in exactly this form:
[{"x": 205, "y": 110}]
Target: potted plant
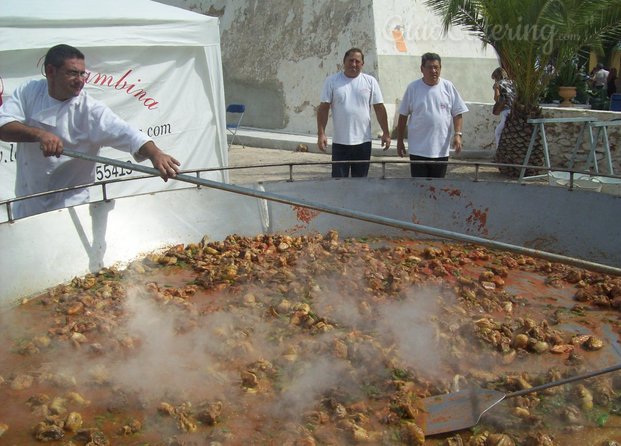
[{"x": 567, "y": 79}]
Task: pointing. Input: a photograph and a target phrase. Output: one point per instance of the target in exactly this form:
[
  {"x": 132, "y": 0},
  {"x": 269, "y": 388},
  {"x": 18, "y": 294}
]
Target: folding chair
[
  {"x": 234, "y": 115},
  {"x": 615, "y": 102}
]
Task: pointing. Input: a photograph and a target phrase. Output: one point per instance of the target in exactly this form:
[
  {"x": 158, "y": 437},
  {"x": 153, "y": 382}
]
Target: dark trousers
[
  {"x": 432, "y": 169},
  {"x": 359, "y": 152}
]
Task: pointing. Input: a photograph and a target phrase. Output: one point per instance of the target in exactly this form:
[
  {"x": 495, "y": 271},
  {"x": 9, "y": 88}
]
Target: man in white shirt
[
  {"x": 434, "y": 108},
  {"x": 350, "y": 94},
  {"x": 47, "y": 115},
  {"x": 600, "y": 77}
]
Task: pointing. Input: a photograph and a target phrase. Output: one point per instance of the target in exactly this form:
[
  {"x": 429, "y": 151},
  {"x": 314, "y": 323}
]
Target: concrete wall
[
  {"x": 479, "y": 125},
  {"x": 277, "y": 53},
  {"x": 407, "y": 29}
]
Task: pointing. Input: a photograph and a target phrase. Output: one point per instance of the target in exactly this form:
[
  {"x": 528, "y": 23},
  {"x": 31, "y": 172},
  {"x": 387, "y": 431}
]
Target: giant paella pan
[{"x": 201, "y": 316}]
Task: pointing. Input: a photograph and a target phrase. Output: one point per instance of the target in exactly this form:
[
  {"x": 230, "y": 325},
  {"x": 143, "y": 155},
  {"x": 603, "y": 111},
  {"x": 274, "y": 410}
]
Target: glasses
[
  {"x": 432, "y": 68},
  {"x": 75, "y": 74}
]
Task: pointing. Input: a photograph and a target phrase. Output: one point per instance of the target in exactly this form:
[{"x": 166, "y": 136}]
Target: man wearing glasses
[{"x": 47, "y": 115}]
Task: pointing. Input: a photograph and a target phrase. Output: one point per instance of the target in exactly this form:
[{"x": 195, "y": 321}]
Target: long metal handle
[
  {"x": 363, "y": 216},
  {"x": 560, "y": 382}
]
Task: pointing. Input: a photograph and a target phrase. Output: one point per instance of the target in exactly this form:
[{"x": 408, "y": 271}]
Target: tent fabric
[
  {"x": 157, "y": 66},
  {"x": 89, "y": 23}
]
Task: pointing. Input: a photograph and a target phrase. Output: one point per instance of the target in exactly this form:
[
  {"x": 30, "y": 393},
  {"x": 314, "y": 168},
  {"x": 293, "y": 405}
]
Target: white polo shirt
[
  {"x": 84, "y": 124},
  {"x": 431, "y": 110},
  {"x": 351, "y": 99}
]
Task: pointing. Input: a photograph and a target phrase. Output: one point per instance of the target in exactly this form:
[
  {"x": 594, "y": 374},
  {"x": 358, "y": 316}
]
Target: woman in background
[
  {"x": 612, "y": 82},
  {"x": 504, "y": 94}
]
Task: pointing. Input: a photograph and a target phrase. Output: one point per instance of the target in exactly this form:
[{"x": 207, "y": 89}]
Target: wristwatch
[{"x": 459, "y": 133}]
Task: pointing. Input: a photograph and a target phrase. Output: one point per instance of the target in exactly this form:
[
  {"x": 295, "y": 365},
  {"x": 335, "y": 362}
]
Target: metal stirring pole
[{"x": 363, "y": 216}]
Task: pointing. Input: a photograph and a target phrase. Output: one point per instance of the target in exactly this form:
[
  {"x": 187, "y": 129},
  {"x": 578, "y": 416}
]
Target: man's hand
[
  {"x": 401, "y": 123},
  {"x": 457, "y": 143},
  {"x": 322, "y": 142},
  {"x": 50, "y": 144},
  {"x": 166, "y": 164},
  {"x": 323, "y": 111},
  {"x": 458, "y": 121},
  {"x": 386, "y": 141},
  {"x": 382, "y": 119}
]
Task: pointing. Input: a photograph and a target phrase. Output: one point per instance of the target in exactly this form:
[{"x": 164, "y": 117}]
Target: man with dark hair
[
  {"x": 350, "y": 94},
  {"x": 50, "y": 114},
  {"x": 434, "y": 108},
  {"x": 600, "y": 77},
  {"x": 57, "y": 55}
]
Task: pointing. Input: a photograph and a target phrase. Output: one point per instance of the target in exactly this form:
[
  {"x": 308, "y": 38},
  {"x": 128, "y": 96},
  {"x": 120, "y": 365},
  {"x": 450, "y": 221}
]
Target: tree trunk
[{"x": 515, "y": 139}]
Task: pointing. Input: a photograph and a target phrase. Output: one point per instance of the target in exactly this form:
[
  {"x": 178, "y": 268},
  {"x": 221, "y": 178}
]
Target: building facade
[{"x": 277, "y": 53}]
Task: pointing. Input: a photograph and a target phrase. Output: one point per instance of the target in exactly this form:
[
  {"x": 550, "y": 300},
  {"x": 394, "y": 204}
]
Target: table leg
[{"x": 530, "y": 150}]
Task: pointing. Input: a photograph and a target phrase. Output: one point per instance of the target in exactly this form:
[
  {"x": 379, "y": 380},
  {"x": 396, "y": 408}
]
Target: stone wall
[{"x": 479, "y": 125}]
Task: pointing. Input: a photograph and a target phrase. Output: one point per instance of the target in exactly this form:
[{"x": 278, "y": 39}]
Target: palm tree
[{"x": 529, "y": 37}]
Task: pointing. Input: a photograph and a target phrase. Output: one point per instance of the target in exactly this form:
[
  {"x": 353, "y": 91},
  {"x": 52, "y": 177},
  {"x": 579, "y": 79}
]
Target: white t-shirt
[
  {"x": 351, "y": 99},
  {"x": 84, "y": 124},
  {"x": 431, "y": 110},
  {"x": 600, "y": 79}
]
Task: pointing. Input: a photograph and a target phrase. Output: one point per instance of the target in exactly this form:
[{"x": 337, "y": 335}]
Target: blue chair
[
  {"x": 234, "y": 116},
  {"x": 615, "y": 102}
]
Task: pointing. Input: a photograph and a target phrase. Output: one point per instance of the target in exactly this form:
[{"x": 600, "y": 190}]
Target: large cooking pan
[{"x": 46, "y": 249}]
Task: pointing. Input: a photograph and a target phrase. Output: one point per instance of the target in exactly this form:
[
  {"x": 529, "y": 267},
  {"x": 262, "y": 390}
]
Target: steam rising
[
  {"x": 308, "y": 386},
  {"x": 164, "y": 352},
  {"x": 167, "y": 362},
  {"x": 410, "y": 324},
  {"x": 186, "y": 364},
  {"x": 341, "y": 307}
]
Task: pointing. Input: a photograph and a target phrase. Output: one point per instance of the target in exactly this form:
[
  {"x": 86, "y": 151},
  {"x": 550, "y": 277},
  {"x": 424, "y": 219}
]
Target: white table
[
  {"x": 588, "y": 123},
  {"x": 602, "y": 130}
]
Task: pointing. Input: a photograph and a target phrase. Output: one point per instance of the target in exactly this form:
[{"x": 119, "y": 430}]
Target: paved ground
[{"x": 310, "y": 165}]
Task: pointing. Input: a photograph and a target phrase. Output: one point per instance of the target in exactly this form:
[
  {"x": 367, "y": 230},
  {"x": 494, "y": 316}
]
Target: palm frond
[{"x": 528, "y": 35}]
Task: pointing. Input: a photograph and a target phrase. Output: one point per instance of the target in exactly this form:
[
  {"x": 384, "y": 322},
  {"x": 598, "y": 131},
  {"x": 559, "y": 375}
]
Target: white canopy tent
[{"x": 157, "y": 66}]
